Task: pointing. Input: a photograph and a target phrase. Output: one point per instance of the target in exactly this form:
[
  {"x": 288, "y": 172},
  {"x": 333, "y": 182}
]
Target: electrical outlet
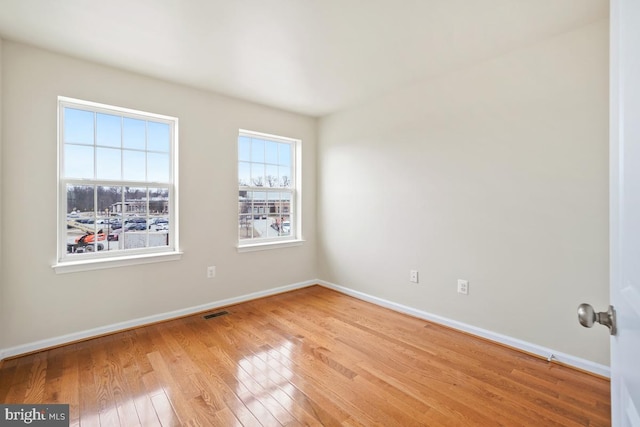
[
  {"x": 463, "y": 287},
  {"x": 211, "y": 272},
  {"x": 413, "y": 276}
]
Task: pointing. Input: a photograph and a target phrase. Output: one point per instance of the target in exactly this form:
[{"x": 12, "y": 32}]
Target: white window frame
[
  {"x": 67, "y": 263},
  {"x": 295, "y": 236}
]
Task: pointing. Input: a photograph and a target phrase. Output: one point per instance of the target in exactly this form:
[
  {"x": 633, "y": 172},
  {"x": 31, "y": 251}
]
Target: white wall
[
  {"x": 496, "y": 174},
  {"x": 38, "y": 304}
]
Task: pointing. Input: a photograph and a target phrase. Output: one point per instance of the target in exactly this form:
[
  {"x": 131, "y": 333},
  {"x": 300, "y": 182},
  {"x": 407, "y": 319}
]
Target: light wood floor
[{"x": 308, "y": 357}]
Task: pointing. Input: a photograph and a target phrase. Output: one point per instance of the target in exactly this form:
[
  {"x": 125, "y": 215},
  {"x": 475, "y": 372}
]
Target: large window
[
  {"x": 268, "y": 187},
  {"x": 117, "y": 182}
]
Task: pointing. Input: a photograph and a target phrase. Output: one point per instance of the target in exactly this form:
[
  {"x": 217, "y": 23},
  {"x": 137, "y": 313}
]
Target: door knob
[{"x": 588, "y": 317}]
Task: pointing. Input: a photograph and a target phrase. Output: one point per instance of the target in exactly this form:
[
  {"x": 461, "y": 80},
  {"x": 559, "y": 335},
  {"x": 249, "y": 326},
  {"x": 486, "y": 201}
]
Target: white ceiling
[{"x": 310, "y": 56}]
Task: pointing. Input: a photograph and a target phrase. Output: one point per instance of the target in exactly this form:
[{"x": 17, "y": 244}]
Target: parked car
[
  {"x": 136, "y": 220},
  {"x": 135, "y": 226},
  {"x": 159, "y": 224}
]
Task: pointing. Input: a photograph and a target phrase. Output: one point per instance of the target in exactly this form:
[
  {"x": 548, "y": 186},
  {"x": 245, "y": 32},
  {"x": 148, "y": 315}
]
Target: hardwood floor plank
[
  {"x": 89, "y": 411},
  {"x": 171, "y": 386},
  {"x": 69, "y": 391},
  {"x": 308, "y": 357},
  {"x": 225, "y": 417},
  {"x": 35, "y": 382},
  {"x": 105, "y": 385},
  {"x": 133, "y": 382},
  {"x": 164, "y": 410},
  {"x": 8, "y": 371}
]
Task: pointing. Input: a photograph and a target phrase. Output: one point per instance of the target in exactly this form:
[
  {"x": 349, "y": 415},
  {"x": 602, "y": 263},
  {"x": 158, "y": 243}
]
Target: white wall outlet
[
  {"x": 211, "y": 272},
  {"x": 413, "y": 276},
  {"x": 463, "y": 287}
]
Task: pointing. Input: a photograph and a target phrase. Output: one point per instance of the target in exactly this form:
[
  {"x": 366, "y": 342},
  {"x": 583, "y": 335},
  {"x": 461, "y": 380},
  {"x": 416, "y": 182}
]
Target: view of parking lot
[{"x": 86, "y": 233}]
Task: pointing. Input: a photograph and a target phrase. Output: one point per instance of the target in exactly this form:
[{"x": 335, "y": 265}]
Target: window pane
[
  {"x": 109, "y": 200},
  {"x": 159, "y": 137},
  {"x": 244, "y": 174},
  {"x": 260, "y": 226},
  {"x": 272, "y": 176},
  {"x": 285, "y": 228},
  {"x": 135, "y": 201},
  {"x": 107, "y": 220},
  {"x": 157, "y": 167},
  {"x": 133, "y": 168},
  {"x": 133, "y": 134},
  {"x": 271, "y": 152},
  {"x": 80, "y": 200},
  {"x": 276, "y": 203},
  {"x": 273, "y": 210},
  {"x": 109, "y": 130},
  {"x": 78, "y": 126},
  {"x": 244, "y": 149},
  {"x": 159, "y": 201},
  {"x": 245, "y": 227},
  {"x": 244, "y": 202},
  {"x": 284, "y": 154},
  {"x": 257, "y": 150},
  {"x": 117, "y": 207},
  {"x": 259, "y": 214},
  {"x": 85, "y": 237},
  {"x": 285, "y": 176},
  {"x": 134, "y": 233},
  {"x": 109, "y": 163},
  {"x": 245, "y": 219},
  {"x": 134, "y": 229},
  {"x": 275, "y": 226},
  {"x": 285, "y": 199},
  {"x": 158, "y": 220},
  {"x": 259, "y": 199},
  {"x": 81, "y": 224},
  {"x": 78, "y": 161},
  {"x": 257, "y": 174}
]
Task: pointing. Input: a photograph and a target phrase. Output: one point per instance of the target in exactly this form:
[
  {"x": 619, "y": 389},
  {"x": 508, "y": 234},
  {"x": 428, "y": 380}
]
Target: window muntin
[
  {"x": 267, "y": 188},
  {"x": 117, "y": 180}
]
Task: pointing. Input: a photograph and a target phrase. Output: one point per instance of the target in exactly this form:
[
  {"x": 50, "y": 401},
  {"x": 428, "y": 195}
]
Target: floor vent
[{"x": 217, "y": 314}]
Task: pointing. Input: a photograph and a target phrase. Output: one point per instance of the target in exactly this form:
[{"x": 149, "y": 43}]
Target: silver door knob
[{"x": 588, "y": 317}]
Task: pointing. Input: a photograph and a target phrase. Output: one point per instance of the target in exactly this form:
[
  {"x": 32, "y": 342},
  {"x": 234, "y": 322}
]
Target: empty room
[{"x": 288, "y": 212}]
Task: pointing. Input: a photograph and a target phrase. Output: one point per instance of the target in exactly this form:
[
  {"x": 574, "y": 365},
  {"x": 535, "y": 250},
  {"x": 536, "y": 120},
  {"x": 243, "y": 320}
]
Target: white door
[{"x": 625, "y": 210}]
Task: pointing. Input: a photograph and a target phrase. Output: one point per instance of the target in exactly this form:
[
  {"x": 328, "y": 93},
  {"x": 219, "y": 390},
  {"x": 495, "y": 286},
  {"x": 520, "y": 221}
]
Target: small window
[
  {"x": 268, "y": 192},
  {"x": 117, "y": 182}
]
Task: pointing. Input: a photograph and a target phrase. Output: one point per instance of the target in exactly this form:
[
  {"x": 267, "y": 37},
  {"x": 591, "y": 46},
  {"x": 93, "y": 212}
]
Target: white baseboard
[
  {"x": 116, "y": 327},
  {"x": 545, "y": 352}
]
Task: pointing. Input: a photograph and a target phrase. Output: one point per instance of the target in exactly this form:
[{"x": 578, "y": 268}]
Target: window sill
[
  {"x": 101, "y": 263},
  {"x": 269, "y": 245}
]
